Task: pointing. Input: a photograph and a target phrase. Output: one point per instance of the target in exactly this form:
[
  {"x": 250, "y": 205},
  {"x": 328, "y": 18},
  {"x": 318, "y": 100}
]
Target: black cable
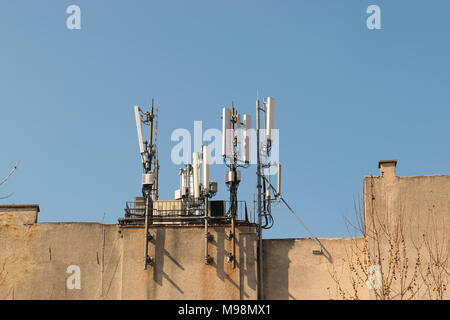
[{"x": 264, "y": 206}]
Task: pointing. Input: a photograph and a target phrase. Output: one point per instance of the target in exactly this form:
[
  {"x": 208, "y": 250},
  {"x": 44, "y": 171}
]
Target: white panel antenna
[
  {"x": 205, "y": 168},
  {"x": 269, "y": 117},
  {"x": 139, "y": 129},
  {"x": 278, "y": 179},
  {"x": 226, "y": 132},
  {"x": 247, "y": 137},
  {"x": 195, "y": 165},
  {"x": 238, "y": 129},
  {"x": 183, "y": 181},
  {"x": 190, "y": 181}
]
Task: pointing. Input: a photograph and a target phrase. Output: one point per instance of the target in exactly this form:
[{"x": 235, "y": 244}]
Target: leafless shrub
[{"x": 381, "y": 258}]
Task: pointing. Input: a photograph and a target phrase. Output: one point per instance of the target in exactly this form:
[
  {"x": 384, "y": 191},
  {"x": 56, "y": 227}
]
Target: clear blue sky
[{"x": 346, "y": 97}]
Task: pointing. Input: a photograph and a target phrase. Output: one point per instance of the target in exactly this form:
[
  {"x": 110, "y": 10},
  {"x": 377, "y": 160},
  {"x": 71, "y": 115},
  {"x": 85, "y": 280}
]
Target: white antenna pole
[
  {"x": 195, "y": 165},
  {"x": 205, "y": 168}
]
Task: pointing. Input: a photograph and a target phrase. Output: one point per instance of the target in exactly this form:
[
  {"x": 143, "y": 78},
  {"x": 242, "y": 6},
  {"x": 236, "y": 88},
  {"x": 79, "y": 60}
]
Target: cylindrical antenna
[
  {"x": 190, "y": 180},
  {"x": 182, "y": 181},
  {"x": 205, "y": 168},
  {"x": 195, "y": 165}
]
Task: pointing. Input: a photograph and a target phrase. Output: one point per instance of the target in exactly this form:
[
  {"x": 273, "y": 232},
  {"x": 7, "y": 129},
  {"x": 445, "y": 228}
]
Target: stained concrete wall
[
  {"x": 34, "y": 261},
  {"x": 19, "y": 214},
  {"x": 419, "y": 201},
  {"x": 410, "y": 216},
  {"x": 292, "y": 272},
  {"x": 34, "y": 257}
]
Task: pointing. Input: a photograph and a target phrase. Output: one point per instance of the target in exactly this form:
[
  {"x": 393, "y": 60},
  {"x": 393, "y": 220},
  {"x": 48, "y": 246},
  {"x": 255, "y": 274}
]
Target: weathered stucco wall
[
  {"x": 293, "y": 272},
  {"x": 420, "y": 201},
  {"x": 34, "y": 257},
  {"x": 34, "y": 260},
  {"x": 407, "y": 220},
  {"x": 414, "y": 209},
  {"x": 19, "y": 214}
]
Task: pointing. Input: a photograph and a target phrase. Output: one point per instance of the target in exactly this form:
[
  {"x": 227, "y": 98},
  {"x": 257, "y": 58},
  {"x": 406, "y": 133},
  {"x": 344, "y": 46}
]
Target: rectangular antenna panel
[
  {"x": 269, "y": 117},
  {"x": 238, "y": 129},
  {"x": 205, "y": 168},
  {"x": 279, "y": 179},
  {"x": 139, "y": 128},
  {"x": 247, "y": 137},
  {"x": 227, "y": 133}
]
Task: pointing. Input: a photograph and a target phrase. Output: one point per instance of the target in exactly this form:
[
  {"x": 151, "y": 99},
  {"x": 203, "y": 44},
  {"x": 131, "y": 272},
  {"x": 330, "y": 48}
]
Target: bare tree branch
[
  {"x": 9, "y": 174},
  {"x": 6, "y": 178},
  {"x": 6, "y": 197}
]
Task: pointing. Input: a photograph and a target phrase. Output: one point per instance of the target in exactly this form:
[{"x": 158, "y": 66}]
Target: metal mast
[
  {"x": 258, "y": 185},
  {"x": 150, "y": 175},
  {"x": 234, "y": 149}
]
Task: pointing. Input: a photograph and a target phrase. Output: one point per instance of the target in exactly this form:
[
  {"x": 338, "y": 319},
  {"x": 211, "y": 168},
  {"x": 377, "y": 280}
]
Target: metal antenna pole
[
  {"x": 156, "y": 155},
  {"x": 233, "y": 191},
  {"x": 206, "y": 213},
  {"x": 146, "y": 229},
  {"x": 148, "y": 191},
  {"x": 258, "y": 185}
]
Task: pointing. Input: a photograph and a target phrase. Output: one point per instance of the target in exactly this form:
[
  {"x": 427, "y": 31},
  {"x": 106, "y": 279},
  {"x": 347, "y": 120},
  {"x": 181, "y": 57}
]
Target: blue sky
[{"x": 346, "y": 97}]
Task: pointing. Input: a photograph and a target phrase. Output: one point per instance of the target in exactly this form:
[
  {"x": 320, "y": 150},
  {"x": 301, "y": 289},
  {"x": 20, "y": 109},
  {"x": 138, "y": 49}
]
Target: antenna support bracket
[{"x": 150, "y": 261}]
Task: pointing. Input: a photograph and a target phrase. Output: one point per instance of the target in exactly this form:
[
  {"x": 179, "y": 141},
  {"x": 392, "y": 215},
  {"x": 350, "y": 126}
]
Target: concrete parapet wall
[
  {"x": 18, "y": 214},
  {"x": 293, "y": 272},
  {"x": 406, "y": 220},
  {"x": 34, "y": 262}
]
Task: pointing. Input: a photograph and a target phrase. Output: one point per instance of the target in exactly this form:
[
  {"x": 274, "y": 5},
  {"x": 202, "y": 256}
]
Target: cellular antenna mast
[
  {"x": 264, "y": 201},
  {"x": 236, "y": 153},
  {"x": 267, "y": 193},
  {"x": 150, "y": 167}
]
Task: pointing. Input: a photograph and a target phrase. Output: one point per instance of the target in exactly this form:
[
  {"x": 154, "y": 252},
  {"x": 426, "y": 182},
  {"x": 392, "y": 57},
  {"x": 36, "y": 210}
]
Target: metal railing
[{"x": 173, "y": 210}]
